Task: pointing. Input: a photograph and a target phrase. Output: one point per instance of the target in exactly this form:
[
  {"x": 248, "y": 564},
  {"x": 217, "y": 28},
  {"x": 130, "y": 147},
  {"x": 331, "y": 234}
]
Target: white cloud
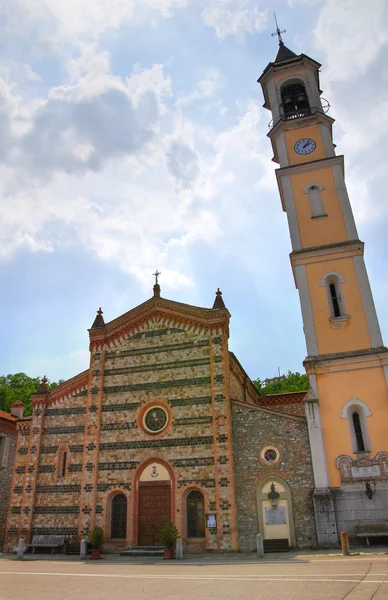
[
  {"x": 234, "y": 17},
  {"x": 351, "y": 36},
  {"x": 54, "y": 22},
  {"x": 204, "y": 89}
]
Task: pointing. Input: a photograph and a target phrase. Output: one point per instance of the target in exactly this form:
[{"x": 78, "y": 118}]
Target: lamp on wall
[
  {"x": 273, "y": 495},
  {"x": 368, "y": 489}
]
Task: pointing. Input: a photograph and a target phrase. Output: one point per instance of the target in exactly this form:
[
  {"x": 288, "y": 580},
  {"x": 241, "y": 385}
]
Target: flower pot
[
  {"x": 95, "y": 553},
  {"x": 168, "y": 553}
]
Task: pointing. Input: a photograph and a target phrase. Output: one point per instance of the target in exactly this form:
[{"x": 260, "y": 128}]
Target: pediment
[{"x": 159, "y": 313}]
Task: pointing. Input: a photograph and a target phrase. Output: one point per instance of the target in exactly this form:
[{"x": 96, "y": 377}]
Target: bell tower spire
[{"x": 347, "y": 364}]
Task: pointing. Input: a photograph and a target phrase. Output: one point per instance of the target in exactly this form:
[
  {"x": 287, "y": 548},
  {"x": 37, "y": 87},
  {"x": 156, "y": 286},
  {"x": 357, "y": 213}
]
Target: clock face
[
  {"x": 155, "y": 419},
  {"x": 305, "y": 146}
]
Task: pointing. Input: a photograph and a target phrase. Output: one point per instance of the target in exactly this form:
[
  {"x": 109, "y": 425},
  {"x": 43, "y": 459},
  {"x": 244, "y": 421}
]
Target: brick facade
[
  {"x": 7, "y": 431},
  {"x": 160, "y": 354}
]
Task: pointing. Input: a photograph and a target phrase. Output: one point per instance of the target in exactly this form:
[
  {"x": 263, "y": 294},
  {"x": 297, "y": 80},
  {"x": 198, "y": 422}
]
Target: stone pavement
[{"x": 215, "y": 557}]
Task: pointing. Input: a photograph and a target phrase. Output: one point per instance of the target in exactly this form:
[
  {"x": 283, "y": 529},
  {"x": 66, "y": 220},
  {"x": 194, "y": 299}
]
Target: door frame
[
  {"x": 137, "y": 483},
  {"x": 286, "y": 495}
]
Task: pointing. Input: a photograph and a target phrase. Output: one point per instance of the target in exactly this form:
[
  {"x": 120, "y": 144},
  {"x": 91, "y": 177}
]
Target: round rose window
[
  {"x": 270, "y": 455},
  {"x": 155, "y": 419}
]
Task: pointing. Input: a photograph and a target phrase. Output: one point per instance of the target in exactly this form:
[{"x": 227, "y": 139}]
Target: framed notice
[
  {"x": 276, "y": 516},
  {"x": 211, "y": 521}
]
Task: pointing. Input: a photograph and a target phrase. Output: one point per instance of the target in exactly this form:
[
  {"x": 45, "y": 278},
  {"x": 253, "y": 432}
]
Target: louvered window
[
  {"x": 195, "y": 515},
  {"x": 119, "y": 517}
]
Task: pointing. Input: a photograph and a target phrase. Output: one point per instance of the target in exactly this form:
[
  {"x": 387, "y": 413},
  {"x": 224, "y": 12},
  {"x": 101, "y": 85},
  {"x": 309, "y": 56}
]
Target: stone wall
[
  {"x": 5, "y": 479},
  {"x": 253, "y": 429},
  {"x": 353, "y": 507}
]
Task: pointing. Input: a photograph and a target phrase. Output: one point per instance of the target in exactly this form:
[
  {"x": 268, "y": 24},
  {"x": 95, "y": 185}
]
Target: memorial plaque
[{"x": 275, "y": 516}]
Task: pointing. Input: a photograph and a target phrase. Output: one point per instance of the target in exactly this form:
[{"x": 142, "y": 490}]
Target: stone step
[
  {"x": 279, "y": 545},
  {"x": 143, "y": 551}
]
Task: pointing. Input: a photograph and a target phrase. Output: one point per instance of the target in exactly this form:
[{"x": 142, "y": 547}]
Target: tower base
[{"x": 325, "y": 517}]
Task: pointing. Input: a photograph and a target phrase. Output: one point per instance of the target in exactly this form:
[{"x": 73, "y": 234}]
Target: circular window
[
  {"x": 155, "y": 419},
  {"x": 270, "y": 455}
]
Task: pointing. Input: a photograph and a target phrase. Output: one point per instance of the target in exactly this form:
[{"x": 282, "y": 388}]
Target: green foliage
[
  {"x": 168, "y": 535},
  {"x": 19, "y": 387},
  {"x": 97, "y": 538},
  {"x": 293, "y": 382}
]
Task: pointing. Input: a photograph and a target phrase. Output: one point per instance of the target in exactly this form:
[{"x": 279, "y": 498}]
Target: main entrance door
[{"x": 154, "y": 510}]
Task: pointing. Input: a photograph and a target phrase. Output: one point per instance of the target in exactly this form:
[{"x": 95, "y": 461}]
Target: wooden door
[{"x": 154, "y": 511}]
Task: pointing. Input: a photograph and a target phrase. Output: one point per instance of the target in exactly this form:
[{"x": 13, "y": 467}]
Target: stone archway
[{"x": 276, "y": 523}]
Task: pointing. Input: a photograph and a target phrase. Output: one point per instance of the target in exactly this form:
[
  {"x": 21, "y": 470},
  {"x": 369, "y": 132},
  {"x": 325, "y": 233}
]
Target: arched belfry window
[
  {"x": 295, "y": 101},
  {"x": 118, "y": 529},
  {"x": 314, "y": 191},
  {"x": 333, "y": 283},
  {"x": 195, "y": 515},
  {"x": 358, "y": 432}
]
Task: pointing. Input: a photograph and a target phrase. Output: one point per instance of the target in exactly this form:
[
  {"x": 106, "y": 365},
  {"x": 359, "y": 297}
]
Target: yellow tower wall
[
  {"x": 366, "y": 382},
  {"x": 354, "y": 332},
  {"x": 318, "y": 232}
]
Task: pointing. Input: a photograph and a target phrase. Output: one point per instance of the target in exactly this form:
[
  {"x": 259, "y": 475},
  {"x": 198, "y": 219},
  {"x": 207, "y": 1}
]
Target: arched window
[
  {"x": 118, "y": 529},
  {"x": 356, "y": 412},
  {"x": 315, "y": 197},
  {"x": 332, "y": 281},
  {"x": 195, "y": 515},
  {"x": 295, "y": 100},
  {"x": 358, "y": 432}
]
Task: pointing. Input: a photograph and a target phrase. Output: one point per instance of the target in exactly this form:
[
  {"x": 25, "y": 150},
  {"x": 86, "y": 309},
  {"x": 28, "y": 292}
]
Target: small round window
[
  {"x": 270, "y": 455},
  {"x": 155, "y": 419}
]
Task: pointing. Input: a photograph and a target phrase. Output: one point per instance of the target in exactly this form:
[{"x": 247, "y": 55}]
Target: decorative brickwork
[{"x": 86, "y": 443}]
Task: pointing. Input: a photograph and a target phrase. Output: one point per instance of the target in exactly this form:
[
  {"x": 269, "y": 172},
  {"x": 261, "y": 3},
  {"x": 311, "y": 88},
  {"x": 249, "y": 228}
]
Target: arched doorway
[
  {"x": 275, "y": 512},
  {"x": 154, "y": 504}
]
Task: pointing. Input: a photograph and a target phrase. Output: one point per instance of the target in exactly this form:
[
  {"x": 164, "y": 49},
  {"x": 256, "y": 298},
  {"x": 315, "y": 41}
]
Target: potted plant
[
  {"x": 168, "y": 536},
  {"x": 96, "y": 539}
]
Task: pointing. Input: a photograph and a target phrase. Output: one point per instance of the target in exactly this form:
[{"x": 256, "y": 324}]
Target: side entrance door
[{"x": 154, "y": 511}]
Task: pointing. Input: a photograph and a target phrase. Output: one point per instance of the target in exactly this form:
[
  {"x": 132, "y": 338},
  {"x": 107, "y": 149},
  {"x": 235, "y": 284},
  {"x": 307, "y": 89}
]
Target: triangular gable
[{"x": 158, "y": 313}]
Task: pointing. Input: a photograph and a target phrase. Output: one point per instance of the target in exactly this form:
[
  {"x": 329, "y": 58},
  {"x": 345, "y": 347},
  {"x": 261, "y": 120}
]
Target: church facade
[{"x": 165, "y": 423}]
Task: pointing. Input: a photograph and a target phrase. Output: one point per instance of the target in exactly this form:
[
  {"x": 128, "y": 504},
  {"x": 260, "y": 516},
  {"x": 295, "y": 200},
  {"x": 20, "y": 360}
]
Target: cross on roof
[
  {"x": 156, "y": 275},
  {"x": 278, "y": 32}
]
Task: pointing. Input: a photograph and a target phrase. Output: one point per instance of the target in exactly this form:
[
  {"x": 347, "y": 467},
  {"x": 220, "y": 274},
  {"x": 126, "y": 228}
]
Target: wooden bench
[
  {"x": 47, "y": 541},
  {"x": 370, "y": 530}
]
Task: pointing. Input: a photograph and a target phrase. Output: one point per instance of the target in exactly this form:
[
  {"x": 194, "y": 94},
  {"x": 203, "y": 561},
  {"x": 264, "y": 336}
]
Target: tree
[
  {"x": 293, "y": 382},
  {"x": 19, "y": 387}
]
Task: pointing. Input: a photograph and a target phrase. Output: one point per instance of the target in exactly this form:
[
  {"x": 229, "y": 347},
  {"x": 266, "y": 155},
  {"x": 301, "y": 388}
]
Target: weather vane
[
  {"x": 156, "y": 275},
  {"x": 278, "y": 32}
]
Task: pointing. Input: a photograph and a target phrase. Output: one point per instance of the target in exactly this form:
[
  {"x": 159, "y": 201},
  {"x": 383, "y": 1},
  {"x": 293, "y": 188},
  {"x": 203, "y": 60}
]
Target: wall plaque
[{"x": 275, "y": 516}]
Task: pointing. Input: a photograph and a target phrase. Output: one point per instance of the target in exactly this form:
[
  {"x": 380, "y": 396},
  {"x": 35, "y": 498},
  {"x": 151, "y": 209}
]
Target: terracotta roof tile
[{"x": 7, "y": 417}]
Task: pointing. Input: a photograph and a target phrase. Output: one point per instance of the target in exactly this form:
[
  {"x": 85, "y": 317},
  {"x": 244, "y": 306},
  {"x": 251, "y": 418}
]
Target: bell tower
[{"x": 347, "y": 363}]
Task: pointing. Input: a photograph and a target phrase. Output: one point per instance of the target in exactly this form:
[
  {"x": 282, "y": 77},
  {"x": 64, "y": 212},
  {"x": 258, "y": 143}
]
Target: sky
[{"x": 133, "y": 138}]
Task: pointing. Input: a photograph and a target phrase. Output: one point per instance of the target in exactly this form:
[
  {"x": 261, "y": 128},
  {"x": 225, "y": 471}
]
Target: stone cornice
[
  {"x": 160, "y": 313},
  {"x": 311, "y": 363},
  {"x": 68, "y": 388},
  {"x": 286, "y": 124}
]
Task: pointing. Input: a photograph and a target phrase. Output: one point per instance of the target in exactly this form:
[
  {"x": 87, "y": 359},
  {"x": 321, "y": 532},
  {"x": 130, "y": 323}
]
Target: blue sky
[{"x": 133, "y": 138}]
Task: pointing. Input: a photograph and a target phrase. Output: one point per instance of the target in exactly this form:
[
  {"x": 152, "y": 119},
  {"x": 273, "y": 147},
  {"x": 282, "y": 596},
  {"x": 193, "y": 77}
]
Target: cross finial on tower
[
  {"x": 156, "y": 275},
  {"x": 278, "y": 32}
]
